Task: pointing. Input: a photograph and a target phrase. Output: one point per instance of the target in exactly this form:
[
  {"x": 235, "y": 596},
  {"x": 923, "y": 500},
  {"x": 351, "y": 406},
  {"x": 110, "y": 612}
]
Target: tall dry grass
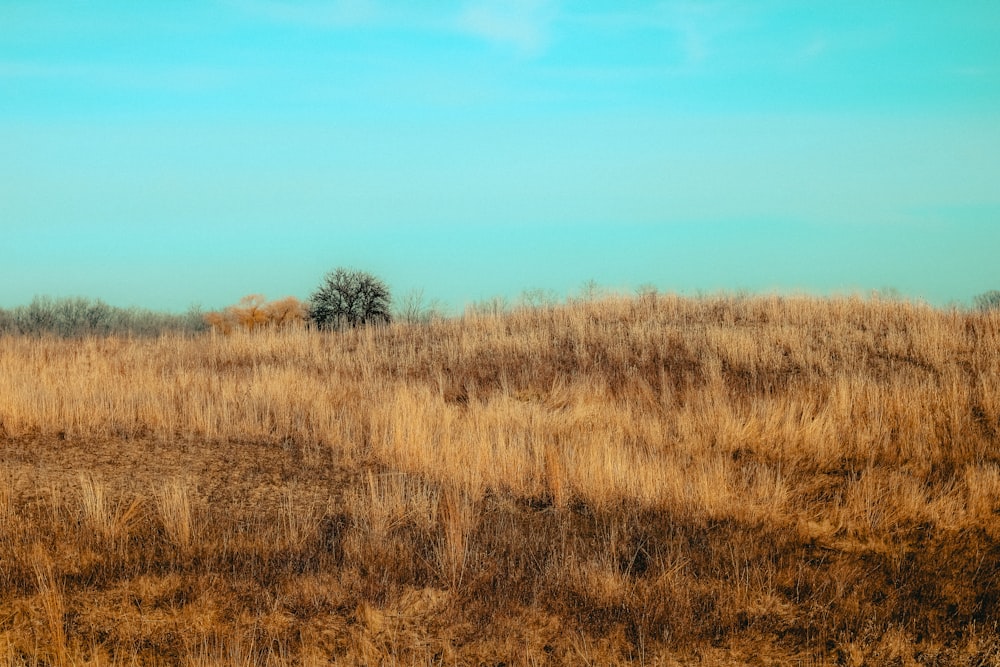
[{"x": 654, "y": 479}]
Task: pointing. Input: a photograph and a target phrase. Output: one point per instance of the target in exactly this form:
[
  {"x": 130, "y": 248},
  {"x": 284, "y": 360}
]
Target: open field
[{"x": 657, "y": 480}]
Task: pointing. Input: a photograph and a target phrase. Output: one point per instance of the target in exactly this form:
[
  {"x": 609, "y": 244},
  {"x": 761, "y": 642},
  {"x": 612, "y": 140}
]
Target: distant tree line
[
  {"x": 344, "y": 299},
  {"x": 77, "y": 317}
]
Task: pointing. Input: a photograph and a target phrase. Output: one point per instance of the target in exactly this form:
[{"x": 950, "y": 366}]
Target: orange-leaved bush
[{"x": 254, "y": 311}]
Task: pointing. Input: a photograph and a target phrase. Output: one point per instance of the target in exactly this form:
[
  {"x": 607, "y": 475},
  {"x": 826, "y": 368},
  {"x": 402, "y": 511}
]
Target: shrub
[
  {"x": 287, "y": 311},
  {"x": 253, "y": 311},
  {"x": 987, "y": 300}
]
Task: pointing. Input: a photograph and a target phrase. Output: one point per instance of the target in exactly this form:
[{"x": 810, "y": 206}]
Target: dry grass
[{"x": 657, "y": 480}]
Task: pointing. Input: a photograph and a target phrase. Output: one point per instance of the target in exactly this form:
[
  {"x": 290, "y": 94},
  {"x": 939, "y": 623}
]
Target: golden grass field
[{"x": 655, "y": 480}]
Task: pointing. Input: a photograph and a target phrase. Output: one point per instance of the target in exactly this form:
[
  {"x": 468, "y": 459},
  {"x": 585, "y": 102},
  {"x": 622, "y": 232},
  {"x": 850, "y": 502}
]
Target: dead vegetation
[{"x": 657, "y": 480}]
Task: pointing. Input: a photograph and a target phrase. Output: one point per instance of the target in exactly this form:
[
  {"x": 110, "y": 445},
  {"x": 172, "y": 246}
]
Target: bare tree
[
  {"x": 538, "y": 297},
  {"x": 348, "y": 298},
  {"x": 413, "y": 308}
]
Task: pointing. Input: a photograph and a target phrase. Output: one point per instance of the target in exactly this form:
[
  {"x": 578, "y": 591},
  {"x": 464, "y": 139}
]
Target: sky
[{"x": 166, "y": 154}]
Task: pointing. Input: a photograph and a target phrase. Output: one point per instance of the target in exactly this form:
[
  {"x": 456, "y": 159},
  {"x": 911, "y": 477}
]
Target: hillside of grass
[{"x": 657, "y": 480}]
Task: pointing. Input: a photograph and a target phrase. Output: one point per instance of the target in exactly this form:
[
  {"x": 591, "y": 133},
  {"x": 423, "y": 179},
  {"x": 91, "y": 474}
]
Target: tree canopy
[{"x": 350, "y": 298}]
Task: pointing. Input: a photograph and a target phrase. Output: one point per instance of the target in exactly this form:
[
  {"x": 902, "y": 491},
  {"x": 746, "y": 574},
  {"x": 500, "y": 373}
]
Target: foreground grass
[{"x": 660, "y": 480}]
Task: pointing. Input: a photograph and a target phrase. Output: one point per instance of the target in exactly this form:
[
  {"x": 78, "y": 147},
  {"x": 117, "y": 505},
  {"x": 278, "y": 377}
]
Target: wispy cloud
[
  {"x": 692, "y": 31},
  {"x": 815, "y": 48},
  {"x": 28, "y": 70},
  {"x": 972, "y": 71},
  {"x": 523, "y": 25},
  {"x": 695, "y": 27},
  {"x": 173, "y": 78},
  {"x": 339, "y": 13}
]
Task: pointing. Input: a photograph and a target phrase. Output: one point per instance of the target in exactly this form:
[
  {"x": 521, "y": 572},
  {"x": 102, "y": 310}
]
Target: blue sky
[{"x": 169, "y": 153}]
